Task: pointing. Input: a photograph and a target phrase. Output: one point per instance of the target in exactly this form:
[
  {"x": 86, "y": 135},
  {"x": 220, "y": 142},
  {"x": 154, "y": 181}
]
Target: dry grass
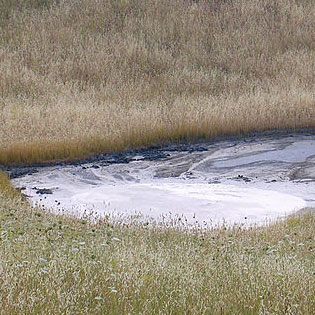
[
  {"x": 6, "y": 188},
  {"x": 58, "y": 265},
  {"x": 82, "y": 77}
]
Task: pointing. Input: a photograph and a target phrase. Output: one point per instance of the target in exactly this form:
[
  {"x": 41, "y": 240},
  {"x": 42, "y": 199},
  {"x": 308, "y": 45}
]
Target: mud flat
[{"x": 249, "y": 181}]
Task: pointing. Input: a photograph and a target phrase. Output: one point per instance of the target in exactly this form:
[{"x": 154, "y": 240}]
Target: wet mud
[{"x": 237, "y": 181}]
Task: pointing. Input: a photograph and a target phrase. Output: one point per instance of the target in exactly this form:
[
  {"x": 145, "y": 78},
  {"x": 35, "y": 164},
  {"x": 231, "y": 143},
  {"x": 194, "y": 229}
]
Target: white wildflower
[
  {"x": 98, "y": 298},
  {"x": 43, "y": 271}
]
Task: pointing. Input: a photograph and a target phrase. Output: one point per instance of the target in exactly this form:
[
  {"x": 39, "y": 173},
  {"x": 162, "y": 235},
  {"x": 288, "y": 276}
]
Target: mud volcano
[{"x": 245, "y": 181}]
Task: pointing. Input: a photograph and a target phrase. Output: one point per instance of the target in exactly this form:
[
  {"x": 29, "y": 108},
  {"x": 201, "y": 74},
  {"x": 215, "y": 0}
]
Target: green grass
[{"x": 53, "y": 264}]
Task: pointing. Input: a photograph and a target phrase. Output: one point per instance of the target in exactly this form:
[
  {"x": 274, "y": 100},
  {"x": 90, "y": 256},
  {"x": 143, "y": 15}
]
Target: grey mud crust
[{"x": 245, "y": 181}]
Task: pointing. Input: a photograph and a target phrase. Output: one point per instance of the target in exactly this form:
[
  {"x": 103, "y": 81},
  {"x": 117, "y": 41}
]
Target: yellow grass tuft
[{"x": 6, "y": 187}]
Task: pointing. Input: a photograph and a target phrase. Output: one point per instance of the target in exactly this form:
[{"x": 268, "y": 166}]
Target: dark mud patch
[
  {"x": 157, "y": 152},
  {"x": 43, "y": 191}
]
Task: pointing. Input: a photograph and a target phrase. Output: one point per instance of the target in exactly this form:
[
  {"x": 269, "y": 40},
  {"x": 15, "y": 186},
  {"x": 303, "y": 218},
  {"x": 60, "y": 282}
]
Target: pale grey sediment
[{"x": 236, "y": 180}]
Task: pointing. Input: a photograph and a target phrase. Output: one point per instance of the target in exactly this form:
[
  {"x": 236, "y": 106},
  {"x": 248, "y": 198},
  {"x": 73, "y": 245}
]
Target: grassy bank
[
  {"x": 84, "y": 77},
  {"x": 54, "y": 264}
]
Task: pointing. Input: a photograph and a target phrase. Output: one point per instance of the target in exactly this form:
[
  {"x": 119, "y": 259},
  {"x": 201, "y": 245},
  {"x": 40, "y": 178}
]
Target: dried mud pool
[{"x": 248, "y": 181}]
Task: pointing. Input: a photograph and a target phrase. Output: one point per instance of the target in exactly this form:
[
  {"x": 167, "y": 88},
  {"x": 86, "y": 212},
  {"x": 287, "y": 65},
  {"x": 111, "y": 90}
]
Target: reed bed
[{"x": 84, "y": 77}]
